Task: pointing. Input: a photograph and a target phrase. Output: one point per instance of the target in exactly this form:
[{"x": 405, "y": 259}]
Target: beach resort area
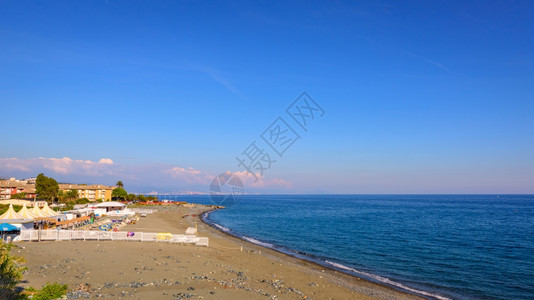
[
  {"x": 180, "y": 257},
  {"x": 267, "y": 150}
]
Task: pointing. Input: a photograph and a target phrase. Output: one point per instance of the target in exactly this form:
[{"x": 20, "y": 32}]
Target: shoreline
[
  {"x": 317, "y": 262},
  {"x": 230, "y": 268}
]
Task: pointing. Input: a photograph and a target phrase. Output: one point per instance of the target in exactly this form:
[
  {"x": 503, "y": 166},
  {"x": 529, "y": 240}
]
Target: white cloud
[
  {"x": 141, "y": 178},
  {"x": 106, "y": 161},
  {"x": 13, "y": 164},
  {"x": 65, "y": 165},
  {"x": 250, "y": 180},
  {"x": 189, "y": 175}
]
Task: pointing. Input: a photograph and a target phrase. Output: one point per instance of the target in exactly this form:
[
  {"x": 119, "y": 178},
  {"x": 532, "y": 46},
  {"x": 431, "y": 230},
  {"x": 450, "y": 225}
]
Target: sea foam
[
  {"x": 254, "y": 241},
  {"x": 221, "y": 227},
  {"x": 386, "y": 281}
]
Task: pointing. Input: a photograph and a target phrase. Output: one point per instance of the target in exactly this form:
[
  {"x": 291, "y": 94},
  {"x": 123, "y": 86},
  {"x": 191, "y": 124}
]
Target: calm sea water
[{"x": 441, "y": 246}]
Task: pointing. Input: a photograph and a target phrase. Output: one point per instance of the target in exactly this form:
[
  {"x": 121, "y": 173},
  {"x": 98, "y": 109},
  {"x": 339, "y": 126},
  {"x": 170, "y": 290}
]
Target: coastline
[
  {"x": 230, "y": 268},
  {"x": 328, "y": 265}
]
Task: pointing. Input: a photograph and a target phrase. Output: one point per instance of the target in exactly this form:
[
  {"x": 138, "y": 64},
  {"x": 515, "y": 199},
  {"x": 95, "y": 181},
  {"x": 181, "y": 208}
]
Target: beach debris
[
  {"x": 138, "y": 284},
  {"x": 82, "y": 290},
  {"x": 295, "y": 291},
  {"x": 84, "y": 287},
  {"x": 180, "y": 296},
  {"x": 277, "y": 284},
  {"x": 77, "y": 295}
]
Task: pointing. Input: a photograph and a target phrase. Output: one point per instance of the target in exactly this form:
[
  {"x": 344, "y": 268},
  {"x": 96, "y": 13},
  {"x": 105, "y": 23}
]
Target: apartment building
[
  {"x": 13, "y": 186},
  {"x": 91, "y": 192}
]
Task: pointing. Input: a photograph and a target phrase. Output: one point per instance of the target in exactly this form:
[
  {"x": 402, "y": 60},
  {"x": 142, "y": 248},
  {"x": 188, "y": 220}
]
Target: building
[
  {"x": 30, "y": 180},
  {"x": 13, "y": 186},
  {"x": 92, "y": 192},
  {"x": 21, "y": 202},
  {"x": 114, "y": 208}
]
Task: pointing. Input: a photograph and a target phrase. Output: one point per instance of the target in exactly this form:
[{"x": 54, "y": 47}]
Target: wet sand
[{"x": 228, "y": 269}]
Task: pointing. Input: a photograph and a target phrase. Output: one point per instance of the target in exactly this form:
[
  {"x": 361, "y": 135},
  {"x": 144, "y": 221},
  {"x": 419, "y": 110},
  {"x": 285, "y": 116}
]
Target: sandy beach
[{"x": 228, "y": 269}]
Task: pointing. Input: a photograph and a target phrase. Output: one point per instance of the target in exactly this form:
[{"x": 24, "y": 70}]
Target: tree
[
  {"x": 71, "y": 195},
  {"x": 46, "y": 187},
  {"x": 152, "y": 198},
  {"x": 67, "y": 196},
  {"x": 10, "y": 273},
  {"x": 82, "y": 201},
  {"x": 21, "y": 195},
  {"x": 61, "y": 196},
  {"x": 119, "y": 193},
  {"x": 119, "y": 184}
]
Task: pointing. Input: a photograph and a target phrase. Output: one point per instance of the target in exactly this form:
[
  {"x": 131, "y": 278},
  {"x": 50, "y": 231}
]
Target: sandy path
[{"x": 144, "y": 270}]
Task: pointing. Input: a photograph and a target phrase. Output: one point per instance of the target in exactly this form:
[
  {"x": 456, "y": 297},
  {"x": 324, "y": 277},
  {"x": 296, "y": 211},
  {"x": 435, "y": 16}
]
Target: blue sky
[{"x": 419, "y": 97}]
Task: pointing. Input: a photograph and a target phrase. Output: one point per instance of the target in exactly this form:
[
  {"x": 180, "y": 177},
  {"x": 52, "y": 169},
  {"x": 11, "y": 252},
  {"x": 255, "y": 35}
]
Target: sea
[{"x": 436, "y": 246}]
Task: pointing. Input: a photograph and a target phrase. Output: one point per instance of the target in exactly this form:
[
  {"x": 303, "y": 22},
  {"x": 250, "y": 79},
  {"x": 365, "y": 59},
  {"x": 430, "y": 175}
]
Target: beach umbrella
[{"x": 8, "y": 227}]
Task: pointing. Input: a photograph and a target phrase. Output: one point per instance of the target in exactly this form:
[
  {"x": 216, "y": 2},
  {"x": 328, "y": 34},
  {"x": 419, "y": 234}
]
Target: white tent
[
  {"x": 46, "y": 210},
  {"x": 26, "y": 213},
  {"x": 38, "y": 213},
  {"x": 113, "y": 204},
  {"x": 11, "y": 214},
  {"x": 13, "y": 218},
  {"x": 114, "y": 208}
]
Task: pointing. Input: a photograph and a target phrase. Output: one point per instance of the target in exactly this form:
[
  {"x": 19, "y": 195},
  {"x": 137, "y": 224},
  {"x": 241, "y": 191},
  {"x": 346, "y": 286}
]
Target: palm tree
[
  {"x": 71, "y": 195},
  {"x": 119, "y": 184}
]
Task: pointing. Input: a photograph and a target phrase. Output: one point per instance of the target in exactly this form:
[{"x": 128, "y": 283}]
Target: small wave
[
  {"x": 221, "y": 227},
  {"x": 254, "y": 241},
  {"x": 387, "y": 281},
  {"x": 308, "y": 256}
]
